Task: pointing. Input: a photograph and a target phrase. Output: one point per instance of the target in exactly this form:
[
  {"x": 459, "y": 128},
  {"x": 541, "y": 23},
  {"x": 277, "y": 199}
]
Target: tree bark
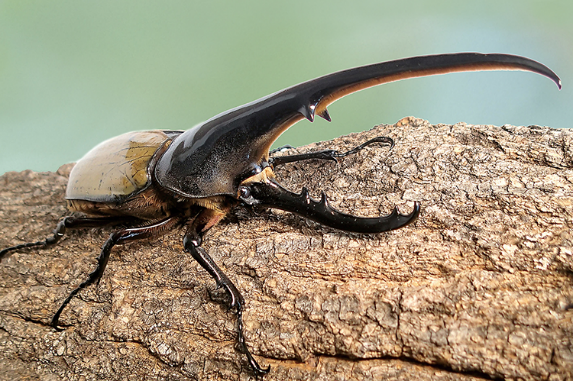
[{"x": 480, "y": 287}]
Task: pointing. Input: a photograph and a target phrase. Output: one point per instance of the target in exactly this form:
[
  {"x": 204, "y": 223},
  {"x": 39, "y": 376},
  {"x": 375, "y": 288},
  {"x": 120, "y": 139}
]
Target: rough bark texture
[{"x": 480, "y": 287}]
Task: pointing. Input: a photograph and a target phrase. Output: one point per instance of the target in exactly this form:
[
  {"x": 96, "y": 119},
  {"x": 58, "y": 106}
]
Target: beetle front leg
[
  {"x": 192, "y": 243},
  {"x": 327, "y": 154}
]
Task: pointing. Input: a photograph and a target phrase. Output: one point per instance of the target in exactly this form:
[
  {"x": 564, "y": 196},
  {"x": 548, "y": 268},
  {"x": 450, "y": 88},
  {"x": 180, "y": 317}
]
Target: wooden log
[{"x": 480, "y": 287}]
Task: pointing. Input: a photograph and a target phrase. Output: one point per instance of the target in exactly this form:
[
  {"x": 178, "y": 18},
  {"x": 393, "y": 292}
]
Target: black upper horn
[{"x": 209, "y": 159}]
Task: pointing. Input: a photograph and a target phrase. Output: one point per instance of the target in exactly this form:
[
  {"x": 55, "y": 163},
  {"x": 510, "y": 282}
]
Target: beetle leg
[
  {"x": 117, "y": 237},
  {"x": 192, "y": 243},
  {"x": 327, "y": 154},
  {"x": 271, "y": 194},
  {"x": 65, "y": 223}
]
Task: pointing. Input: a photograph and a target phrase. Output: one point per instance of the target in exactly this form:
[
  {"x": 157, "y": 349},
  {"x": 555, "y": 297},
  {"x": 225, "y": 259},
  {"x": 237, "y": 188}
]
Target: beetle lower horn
[{"x": 272, "y": 194}]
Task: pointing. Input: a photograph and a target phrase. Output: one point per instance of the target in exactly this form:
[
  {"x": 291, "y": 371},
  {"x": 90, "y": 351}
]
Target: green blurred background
[{"x": 74, "y": 73}]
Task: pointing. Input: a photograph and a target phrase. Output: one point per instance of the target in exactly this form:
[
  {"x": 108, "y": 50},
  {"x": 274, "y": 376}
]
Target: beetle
[{"x": 155, "y": 181}]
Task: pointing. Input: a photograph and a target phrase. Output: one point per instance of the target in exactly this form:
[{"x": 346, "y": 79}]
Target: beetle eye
[{"x": 244, "y": 192}]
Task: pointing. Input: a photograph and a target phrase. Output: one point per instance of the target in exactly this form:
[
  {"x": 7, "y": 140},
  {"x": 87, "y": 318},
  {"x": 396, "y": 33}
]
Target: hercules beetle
[{"x": 160, "y": 180}]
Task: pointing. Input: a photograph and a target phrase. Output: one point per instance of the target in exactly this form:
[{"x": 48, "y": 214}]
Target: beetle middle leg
[
  {"x": 192, "y": 244},
  {"x": 327, "y": 154},
  {"x": 117, "y": 237}
]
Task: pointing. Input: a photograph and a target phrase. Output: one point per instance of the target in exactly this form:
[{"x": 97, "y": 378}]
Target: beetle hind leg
[
  {"x": 327, "y": 154},
  {"x": 117, "y": 237},
  {"x": 69, "y": 222}
]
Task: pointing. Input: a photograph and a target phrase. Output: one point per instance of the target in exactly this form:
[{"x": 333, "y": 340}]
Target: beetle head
[{"x": 227, "y": 154}]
